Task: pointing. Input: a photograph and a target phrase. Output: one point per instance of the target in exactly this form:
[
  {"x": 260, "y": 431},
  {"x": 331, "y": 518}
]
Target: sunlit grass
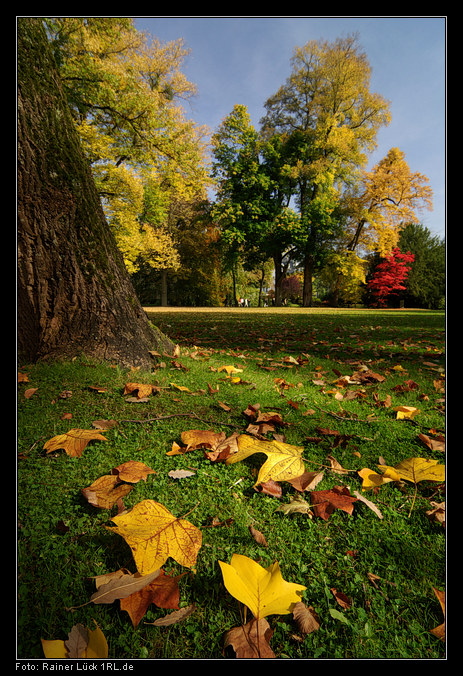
[{"x": 63, "y": 542}]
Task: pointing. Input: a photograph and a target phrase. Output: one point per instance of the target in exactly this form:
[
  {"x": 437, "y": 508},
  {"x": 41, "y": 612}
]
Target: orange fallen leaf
[
  {"x": 440, "y": 630},
  {"x": 133, "y": 471},
  {"x": 142, "y": 389},
  {"x": 73, "y": 442},
  {"x": 106, "y": 491},
  {"x": 163, "y": 592}
]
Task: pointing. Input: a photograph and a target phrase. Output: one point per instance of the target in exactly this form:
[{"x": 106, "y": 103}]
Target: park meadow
[{"x": 360, "y": 393}]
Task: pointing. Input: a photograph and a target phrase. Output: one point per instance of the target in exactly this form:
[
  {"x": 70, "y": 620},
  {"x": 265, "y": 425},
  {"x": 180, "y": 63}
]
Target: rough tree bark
[{"x": 74, "y": 294}]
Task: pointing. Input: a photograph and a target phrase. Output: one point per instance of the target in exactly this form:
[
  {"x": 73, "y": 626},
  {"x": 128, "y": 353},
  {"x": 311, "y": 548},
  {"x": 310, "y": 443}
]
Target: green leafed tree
[
  {"x": 252, "y": 205},
  {"x": 329, "y": 119},
  {"x": 426, "y": 281}
]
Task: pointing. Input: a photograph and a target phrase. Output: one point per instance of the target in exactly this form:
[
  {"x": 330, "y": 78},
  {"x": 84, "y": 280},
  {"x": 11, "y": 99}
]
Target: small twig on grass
[
  {"x": 177, "y": 415},
  {"x": 343, "y": 418}
]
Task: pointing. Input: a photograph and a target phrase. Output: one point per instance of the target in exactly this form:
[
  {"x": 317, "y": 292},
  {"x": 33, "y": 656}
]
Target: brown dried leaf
[
  {"x": 180, "y": 473},
  {"x": 269, "y": 487},
  {"x": 104, "y": 424},
  {"x": 258, "y": 536},
  {"x": 251, "y": 640},
  {"x": 307, "y": 481},
  {"x": 306, "y": 618},
  {"x": 433, "y": 444},
  {"x": 121, "y": 586},
  {"x": 369, "y": 504},
  {"x": 77, "y": 641},
  {"x": 343, "y": 600},
  {"x": 437, "y": 513},
  {"x": 173, "y": 618},
  {"x": 336, "y": 467}
]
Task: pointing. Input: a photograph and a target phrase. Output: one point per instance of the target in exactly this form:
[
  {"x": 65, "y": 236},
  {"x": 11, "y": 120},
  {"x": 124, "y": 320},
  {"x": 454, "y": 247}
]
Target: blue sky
[{"x": 246, "y": 59}]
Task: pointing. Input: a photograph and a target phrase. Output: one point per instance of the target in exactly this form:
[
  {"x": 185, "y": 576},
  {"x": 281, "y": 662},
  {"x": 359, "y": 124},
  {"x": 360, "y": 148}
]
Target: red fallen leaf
[
  {"x": 163, "y": 592},
  {"x": 407, "y": 386},
  {"x": 343, "y": 600},
  {"x": 325, "y": 502},
  {"x": 294, "y": 404}
]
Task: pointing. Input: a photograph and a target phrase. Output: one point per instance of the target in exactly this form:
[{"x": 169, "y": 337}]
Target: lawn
[{"x": 332, "y": 380}]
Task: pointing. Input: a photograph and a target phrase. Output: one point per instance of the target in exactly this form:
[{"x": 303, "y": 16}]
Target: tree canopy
[{"x": 295, "y": 191}]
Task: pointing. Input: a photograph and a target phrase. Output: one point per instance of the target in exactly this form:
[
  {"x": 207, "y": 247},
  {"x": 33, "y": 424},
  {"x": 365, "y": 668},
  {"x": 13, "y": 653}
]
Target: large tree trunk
[
  {"x": 74, "y": 294},
  {"x": 279, "y": 276},
  {"x": 307, "y": 289}
]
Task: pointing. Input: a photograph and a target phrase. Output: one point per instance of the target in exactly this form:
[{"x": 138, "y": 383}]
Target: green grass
[{"x": 56, "y": 564}]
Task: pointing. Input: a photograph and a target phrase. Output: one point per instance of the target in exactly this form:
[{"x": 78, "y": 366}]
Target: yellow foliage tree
[
  {"x": 386, "y": 200},
  {"x": 125, "y": 91},
  {"x": 380, "y": 203}
]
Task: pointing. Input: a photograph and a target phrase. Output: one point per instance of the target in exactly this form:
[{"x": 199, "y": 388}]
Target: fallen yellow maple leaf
[
  {"x": 73, "y": 442},
  {"x": 154, "y": 534},
  {"x": 372, "y": 479},
  {"x": 262, "y": 590},
  {"x": 406, "y": 412},
  {"x": 284, "y": 461},
  {"x": 418, "y": 469},
  {"x": 230, "y": 369}
]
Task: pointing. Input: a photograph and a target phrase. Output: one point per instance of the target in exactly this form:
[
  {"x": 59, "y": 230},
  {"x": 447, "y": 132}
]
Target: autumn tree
[
  {"x": 327, "y": 113},
  {"x": 384, "y": 201},
  {"x": 126, "y": 93},
  {"x": 74, "y": 294},
  {"x": 389, "y": 276}
]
